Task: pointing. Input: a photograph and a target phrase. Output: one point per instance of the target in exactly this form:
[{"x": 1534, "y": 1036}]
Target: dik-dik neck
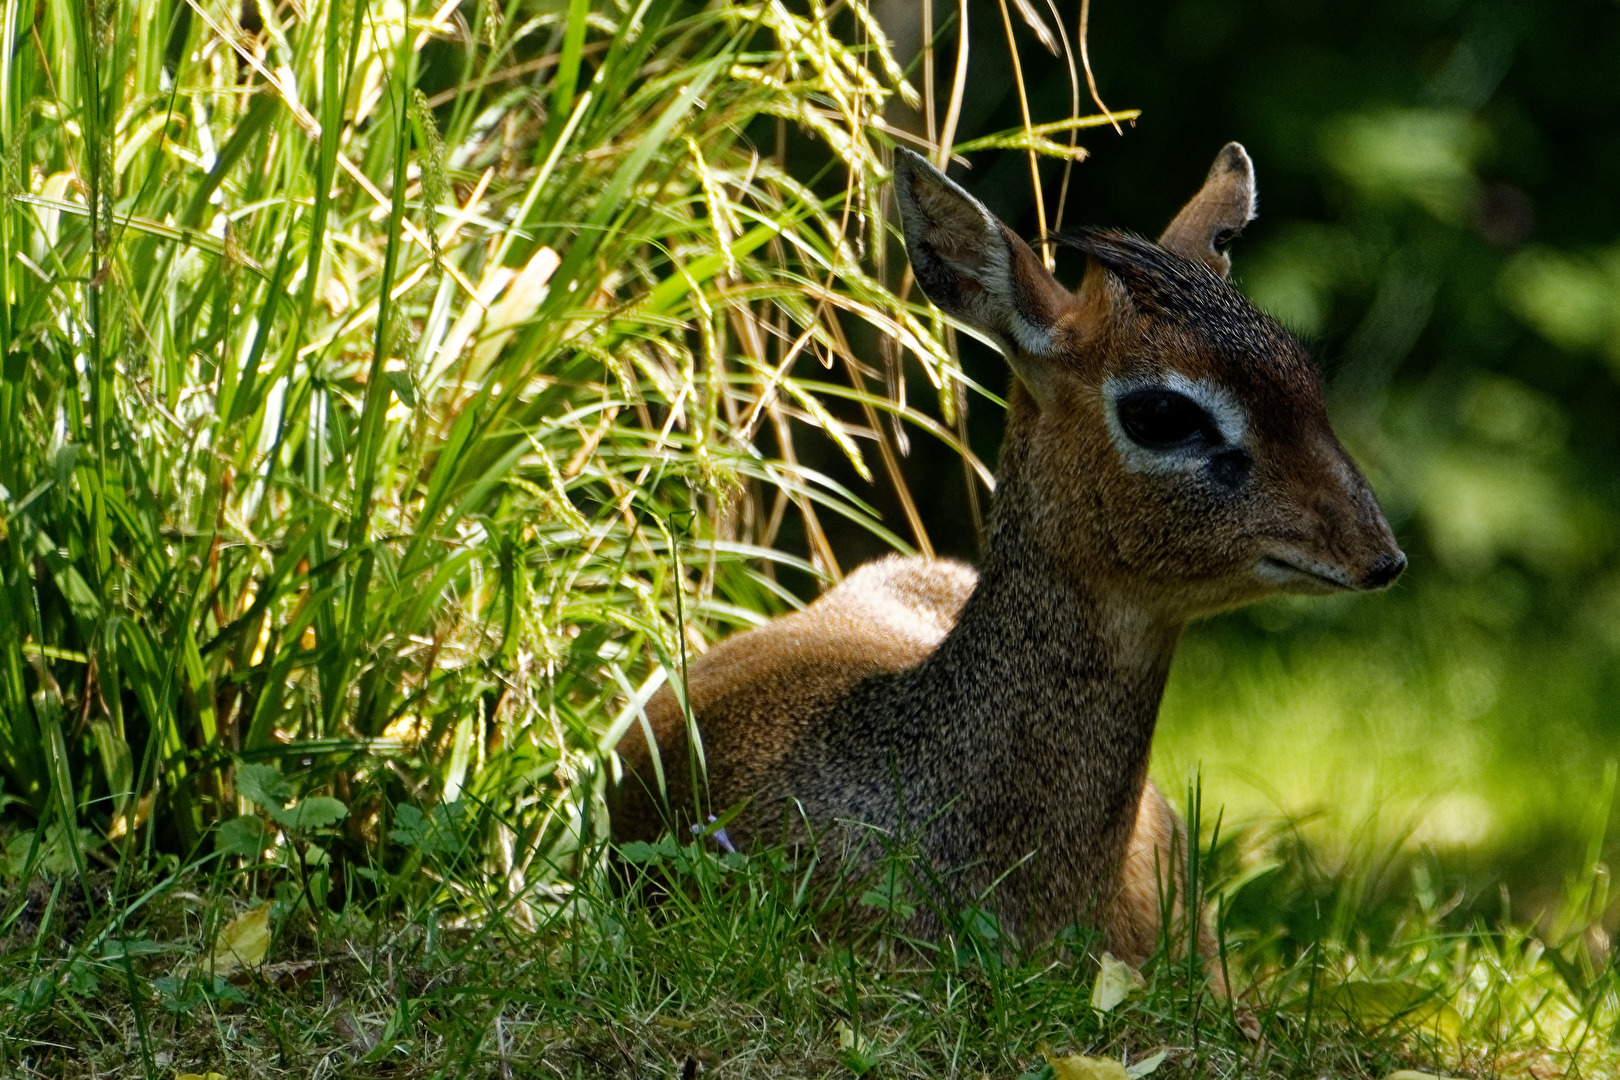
[
  {"x": 1042, "y": 701},
  {"x": 1047, "y": 665}
]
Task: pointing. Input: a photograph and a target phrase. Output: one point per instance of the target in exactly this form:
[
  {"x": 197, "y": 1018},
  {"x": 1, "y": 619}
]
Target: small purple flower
[{"x": 721, "y": 840}]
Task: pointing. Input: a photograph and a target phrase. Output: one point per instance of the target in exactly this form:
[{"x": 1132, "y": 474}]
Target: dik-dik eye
[{"x": 1161, "y": 419}]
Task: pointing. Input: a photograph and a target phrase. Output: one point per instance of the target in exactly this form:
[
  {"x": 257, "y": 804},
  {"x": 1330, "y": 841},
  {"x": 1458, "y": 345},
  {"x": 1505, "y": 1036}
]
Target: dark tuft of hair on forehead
[
  {"x": 1136, "y": 259},
  {"x": 1176, "y": 289}
]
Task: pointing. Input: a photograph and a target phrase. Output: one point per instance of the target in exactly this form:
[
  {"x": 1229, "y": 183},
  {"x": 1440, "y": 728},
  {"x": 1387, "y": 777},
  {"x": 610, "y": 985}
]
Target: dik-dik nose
[{"x": 1384, "y": 570}]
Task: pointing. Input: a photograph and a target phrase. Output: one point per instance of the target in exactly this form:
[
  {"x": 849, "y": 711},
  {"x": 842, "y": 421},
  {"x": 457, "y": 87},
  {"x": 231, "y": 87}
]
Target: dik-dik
[{"x": 1167, "y": 455}]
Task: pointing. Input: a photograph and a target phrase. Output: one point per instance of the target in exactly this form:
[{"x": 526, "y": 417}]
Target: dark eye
[{"x": 1163, "y": 419}]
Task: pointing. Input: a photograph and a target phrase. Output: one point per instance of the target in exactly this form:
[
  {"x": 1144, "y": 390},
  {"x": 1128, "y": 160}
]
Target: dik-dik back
[{"x": 1168, "y": 453}]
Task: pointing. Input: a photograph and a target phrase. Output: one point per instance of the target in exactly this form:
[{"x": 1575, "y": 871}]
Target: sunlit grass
[{"x": 419, "y": 440}]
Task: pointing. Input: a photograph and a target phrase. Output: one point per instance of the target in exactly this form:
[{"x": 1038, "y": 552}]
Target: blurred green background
[{"x": 1439, "y": 220}]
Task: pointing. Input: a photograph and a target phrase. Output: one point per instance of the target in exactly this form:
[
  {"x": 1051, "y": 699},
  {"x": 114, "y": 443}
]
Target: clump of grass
[{"x": 396, "y": 393}]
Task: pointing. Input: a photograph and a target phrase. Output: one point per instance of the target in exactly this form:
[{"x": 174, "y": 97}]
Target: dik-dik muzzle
[{"x": 1164, "y": 434}]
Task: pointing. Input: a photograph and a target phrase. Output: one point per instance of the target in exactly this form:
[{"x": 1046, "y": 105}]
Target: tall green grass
[{"x": 396, "y": 398}]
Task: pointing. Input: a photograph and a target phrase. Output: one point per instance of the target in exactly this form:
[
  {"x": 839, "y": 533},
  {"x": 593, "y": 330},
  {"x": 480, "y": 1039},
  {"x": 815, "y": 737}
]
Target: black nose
[{"x": 1385, "y": 570}]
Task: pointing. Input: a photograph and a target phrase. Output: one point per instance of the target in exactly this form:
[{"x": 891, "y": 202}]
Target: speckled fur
[{"x": 1003, "y": 722}]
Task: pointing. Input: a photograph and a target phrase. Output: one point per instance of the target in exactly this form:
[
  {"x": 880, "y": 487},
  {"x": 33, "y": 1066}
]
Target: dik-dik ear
[
  {"x": 1217, "y": 213},
  {"x": 975, "y": 268}
]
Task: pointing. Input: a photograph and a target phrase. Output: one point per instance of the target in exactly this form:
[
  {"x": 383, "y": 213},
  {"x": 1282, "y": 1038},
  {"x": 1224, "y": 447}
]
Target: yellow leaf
[
  {"x": 1115, "y": 981},
  {"x": 143, "y": 810},
  {"x": 1080, "y": 1067},
  {"x": 243, "y": 942}
]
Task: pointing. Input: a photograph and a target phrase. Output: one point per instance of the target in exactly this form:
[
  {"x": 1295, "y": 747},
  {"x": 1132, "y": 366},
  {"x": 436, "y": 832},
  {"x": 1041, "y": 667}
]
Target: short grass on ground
[{"x": 732, "y": 967}]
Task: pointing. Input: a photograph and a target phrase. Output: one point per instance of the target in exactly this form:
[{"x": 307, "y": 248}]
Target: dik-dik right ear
[
  {"x": 975, "y": 268},
  {"x": 1217, "y": 213}
]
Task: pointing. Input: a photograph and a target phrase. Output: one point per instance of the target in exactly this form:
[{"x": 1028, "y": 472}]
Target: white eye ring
[{"x": 1230, "y": 420}]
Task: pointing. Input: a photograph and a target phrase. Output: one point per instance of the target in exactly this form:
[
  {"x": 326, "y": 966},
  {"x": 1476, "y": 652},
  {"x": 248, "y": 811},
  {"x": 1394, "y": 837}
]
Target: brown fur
[
  {"x": 1003, "y": 723},
  {"x": 765, "y": 687}
]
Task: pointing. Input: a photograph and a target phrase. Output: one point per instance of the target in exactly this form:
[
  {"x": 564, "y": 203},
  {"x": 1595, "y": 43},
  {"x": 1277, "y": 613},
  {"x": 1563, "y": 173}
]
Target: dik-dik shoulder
[{"x": 756, "y": 694}]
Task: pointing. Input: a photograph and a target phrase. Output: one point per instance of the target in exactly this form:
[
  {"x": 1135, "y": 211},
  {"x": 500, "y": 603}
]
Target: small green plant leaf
[
  {"x": 53, "y": 855},
  {"x": 30, "y": 995},
  {"x": 410, "y": 826},
  {"x": 177, "y": 994},
  {"x": 857, "y": 1055},
  {"x": 401, "y": 383},
  {"x": 639, "y": 851},
  {"x": 317, "y": 812},
  {"x": 262, "y": 784},
  {"x": 245, "y": 836},
  {"x": 116, "y": 949},
  {"x": 81, "y": 980},
  {"x": 889, "y": 901},
  {"x": 437, "y": 833}
]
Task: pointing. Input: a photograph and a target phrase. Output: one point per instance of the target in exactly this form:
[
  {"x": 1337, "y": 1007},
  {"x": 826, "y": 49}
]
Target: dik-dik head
[{"x": 1165, "y": 438}]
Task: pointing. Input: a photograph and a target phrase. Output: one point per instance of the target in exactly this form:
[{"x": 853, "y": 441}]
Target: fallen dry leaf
[
  {"x": 1080, "y": 1067},
  {"x": 1115, "y": 981},
  {"x": 243, "y": 942},
  {"x": 1146, "y": 1066}
]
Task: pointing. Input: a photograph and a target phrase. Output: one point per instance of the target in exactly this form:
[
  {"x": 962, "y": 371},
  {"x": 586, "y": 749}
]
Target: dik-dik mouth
[{"x": 1302, "y": 575}]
